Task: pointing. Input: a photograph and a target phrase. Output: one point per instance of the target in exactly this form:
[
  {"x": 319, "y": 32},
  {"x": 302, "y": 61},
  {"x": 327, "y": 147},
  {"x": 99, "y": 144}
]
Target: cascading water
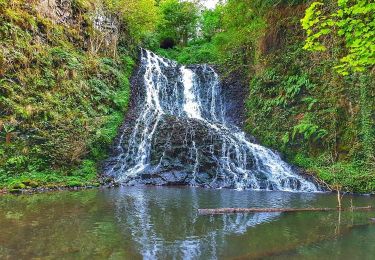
[{"x": 181, "y": 135}]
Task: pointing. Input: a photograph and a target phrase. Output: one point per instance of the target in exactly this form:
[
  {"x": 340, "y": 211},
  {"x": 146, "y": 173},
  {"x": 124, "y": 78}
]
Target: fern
[
  {"x": 310, "y": 101},
  {"x": 308, "y": 130}
]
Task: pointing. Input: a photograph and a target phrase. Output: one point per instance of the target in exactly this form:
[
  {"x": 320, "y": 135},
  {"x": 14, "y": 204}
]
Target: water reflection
[
  {"x": 166, "y": 224},
  {"x": 163, "y": 223}
]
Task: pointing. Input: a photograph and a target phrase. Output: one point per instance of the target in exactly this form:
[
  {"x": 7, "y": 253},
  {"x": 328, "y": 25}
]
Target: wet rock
[
  {"x": 186, "y": 146},
  {"x": 15, "y": 191},
  {"x": 184, "y": 152},
  {"x": 182, "y": 129},
  {"x": 235, "y": 92}
]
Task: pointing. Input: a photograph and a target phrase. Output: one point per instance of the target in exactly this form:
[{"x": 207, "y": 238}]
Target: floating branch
[{"x": 258, "y": 210}]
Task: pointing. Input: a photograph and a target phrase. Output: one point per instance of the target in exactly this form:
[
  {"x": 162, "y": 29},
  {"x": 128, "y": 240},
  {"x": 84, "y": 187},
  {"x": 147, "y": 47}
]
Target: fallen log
[{"x": 259, "y": 210}]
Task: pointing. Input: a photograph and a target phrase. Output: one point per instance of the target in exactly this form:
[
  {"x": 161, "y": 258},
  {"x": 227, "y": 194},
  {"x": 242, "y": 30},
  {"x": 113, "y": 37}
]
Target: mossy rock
[
  {"x": 26, "y": 182},
  {"x": 30, "y": 183},
  {"x": 15, "y": 191},
  {"x": 18, "y": 186},
  {"x": 51, "y": 186},
  {"x": 33, "y": 184},
  {"x": 74, "y": 184}
]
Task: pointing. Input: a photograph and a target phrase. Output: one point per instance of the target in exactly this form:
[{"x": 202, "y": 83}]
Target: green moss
[
  {"x": 61, "y": 104},
  {"x": 30, "y": 183},
  {"x": 18, "y": 186},
  {"x": 33, "y": 184},
  {"x": 74, "y": 183}
]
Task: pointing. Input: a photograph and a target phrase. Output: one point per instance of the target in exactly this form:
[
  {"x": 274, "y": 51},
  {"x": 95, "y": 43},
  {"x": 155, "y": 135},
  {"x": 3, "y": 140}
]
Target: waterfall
[{"x": 181, "y": 135}]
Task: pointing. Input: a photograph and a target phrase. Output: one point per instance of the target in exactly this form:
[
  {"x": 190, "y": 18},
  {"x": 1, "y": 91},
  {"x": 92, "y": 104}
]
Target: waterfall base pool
[{"x": 163, "y": 223}]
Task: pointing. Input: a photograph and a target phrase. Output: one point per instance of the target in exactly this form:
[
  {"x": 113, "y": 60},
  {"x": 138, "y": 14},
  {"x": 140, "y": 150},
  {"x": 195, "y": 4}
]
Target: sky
[{"x": 210, "y": 3}]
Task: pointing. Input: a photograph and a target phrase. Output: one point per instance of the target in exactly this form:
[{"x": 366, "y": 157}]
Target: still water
[{"x": 163, "y": 223}]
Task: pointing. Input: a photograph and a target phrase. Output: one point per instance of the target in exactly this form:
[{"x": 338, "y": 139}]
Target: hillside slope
[{"x": 64, "y": 89}]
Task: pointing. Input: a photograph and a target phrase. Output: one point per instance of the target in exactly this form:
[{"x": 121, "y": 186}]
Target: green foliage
[
  {"x": 238, "y": 39},
  {"x": 60, "y": 104},
  {"x": 350, "y": 175},
  {"x": 195, "y": 53},
  {"x": 278, "y": 102},
  {"x": 352, "y": 22},
  {"x": 179, "y": 21},
  {"x": 62, "y": 99},
  {"x": 308, "y": 130},
  {"x": 139, "y": 16},
  {"x": 229, "y": 34},
  {"x": 46, "y": 179},
  {"x": 349, "y": 23},
  {"x": 87, "y": 169},
  {"x": 367, "y": 120},
  {"x": 211, "y": 22},
  {"x": 297, "y": 104}
]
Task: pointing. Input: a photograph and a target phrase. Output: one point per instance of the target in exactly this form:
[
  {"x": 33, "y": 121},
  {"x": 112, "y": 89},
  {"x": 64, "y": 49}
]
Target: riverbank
[
  {"x": 27, "y": 185},
  {"x": 105, "y": 183},
  {"x": 31, "y": 191},
  {"x": 32, "y": 186}
]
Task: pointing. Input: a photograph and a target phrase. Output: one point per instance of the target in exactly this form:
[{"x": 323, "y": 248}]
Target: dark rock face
[
  {"x": 189, "y": 151},
  {"x": 235, "y": 91},
  {"x": 184, "y": 152},
  {"x": 181, "y": 130}
]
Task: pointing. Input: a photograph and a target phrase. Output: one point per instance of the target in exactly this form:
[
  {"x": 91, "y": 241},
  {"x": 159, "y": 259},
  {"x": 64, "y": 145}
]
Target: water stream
[{"x": 181, "y": 135}]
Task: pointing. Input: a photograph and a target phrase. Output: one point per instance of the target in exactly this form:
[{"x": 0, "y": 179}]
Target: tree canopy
[{"x": 179, "y": 21}]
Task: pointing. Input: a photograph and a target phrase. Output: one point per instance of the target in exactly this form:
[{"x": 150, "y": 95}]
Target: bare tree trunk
[
  {"x": 258, "y": 210},
  {"x": 8, "y": 138}
]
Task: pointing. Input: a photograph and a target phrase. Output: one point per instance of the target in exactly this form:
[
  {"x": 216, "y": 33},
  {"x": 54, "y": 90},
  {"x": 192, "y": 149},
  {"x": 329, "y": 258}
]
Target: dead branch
[{"x": 258, "y": 210}]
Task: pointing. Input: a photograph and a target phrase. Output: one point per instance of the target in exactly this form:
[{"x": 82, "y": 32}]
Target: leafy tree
[
  {"x": 241, "y": 28},
  {"x": 179, "y": 22},
  {"x": 140, "y": 16},
  {"x": 353, "y": 22},
  {"x": 211, "y": 22}
]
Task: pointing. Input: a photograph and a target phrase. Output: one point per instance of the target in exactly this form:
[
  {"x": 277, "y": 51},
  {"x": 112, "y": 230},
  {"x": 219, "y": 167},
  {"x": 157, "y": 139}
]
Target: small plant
[
  {"x": 309, "y": 130},
  {"x": 9, "y": 127}
]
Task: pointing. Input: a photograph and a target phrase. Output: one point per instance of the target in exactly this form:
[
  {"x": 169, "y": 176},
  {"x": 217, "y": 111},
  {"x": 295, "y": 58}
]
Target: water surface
[{"x": 162, "y": 223}]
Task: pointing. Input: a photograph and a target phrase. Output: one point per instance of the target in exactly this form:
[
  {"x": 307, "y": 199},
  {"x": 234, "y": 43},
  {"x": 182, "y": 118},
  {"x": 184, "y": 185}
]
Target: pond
[{"x": 163, "y": 223}]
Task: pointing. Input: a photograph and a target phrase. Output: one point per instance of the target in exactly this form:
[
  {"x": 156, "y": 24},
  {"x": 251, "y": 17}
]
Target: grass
[{"x": 349, "y": 176}]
